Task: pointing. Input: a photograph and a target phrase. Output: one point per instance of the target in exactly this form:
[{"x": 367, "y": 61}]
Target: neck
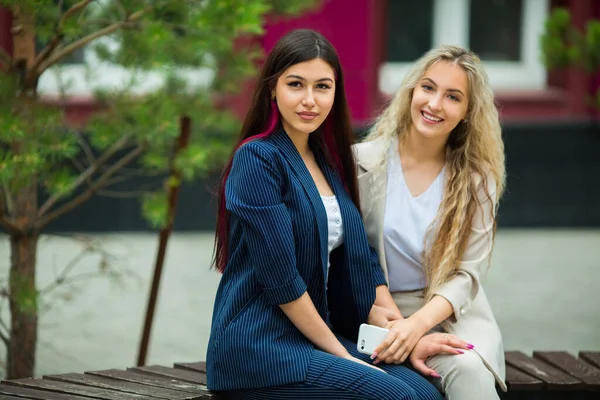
[
  {"x": 300, "y": 140},
  {"x": 422, "y": 149}
]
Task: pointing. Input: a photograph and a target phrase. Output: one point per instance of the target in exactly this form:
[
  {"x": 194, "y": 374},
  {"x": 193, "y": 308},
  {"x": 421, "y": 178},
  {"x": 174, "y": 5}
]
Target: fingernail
[
  {"x": 435, "y": 375},
  {"x": 374, "y": 355},
  {"x": 461, "y": 352},
  {"x": 470, "y": 346},
  {"x": 375, "y": 362}
]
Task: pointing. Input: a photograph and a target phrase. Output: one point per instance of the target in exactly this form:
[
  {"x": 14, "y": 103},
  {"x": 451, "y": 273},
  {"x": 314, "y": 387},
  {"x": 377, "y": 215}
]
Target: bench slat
[
  {"x": 122, "y": 386},
  {"x": 150, "y": 380},
  {"x": 159, "y": 370},
  {"x": 573, "y": 366},
  {"x": 517, "y": 380},
  {"x": 592, "y": 357},
  {"x": 554, "y": 378},
  {"x": 7, "y": 397},
  {"x": 38, "y": 394},
  {"x": 195, "y": 367},
  {"x": 71, "y": 388}
]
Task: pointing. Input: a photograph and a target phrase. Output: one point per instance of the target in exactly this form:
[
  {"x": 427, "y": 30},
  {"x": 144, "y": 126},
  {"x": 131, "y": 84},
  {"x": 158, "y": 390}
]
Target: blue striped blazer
[{"x": 277, "y": 251}]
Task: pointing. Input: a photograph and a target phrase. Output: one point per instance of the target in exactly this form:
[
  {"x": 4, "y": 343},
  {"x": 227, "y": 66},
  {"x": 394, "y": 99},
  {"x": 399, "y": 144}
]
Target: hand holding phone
[{"x": 369, "y": 337}]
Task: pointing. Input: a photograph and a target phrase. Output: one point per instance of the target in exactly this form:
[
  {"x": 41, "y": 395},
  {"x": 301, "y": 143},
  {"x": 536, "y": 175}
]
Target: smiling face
[
  {"x": 304, "y": 95},
  {"x": 440, "y": 100}
]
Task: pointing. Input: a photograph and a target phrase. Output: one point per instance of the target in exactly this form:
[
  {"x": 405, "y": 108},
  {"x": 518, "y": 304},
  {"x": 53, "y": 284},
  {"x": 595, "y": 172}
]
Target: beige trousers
[{"x": 463, "y": 376}]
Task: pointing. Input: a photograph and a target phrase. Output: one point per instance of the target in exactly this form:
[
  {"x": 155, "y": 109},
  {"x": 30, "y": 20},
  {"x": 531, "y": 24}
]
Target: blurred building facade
[{"x": 552, "y": 136}]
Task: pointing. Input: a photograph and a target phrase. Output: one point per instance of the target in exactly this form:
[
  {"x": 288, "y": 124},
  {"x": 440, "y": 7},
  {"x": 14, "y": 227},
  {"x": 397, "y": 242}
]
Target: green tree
[
  {"x": 48, "y": 168},
  {"x": 563, "y": 45}
]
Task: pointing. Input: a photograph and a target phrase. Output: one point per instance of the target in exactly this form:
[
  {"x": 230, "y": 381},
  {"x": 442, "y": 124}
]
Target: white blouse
[
  {"x": 405, "y": 224},
  {"x": 335, "y": 226}
]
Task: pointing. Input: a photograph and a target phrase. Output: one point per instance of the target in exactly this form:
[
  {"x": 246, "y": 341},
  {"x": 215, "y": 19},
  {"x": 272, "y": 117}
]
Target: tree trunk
[
  {"x": 23, "y": 306},
  {"x": 23, "y": 294}
]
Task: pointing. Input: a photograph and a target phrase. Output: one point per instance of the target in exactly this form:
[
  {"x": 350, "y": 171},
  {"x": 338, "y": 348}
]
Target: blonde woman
[{"x": 431, "y": 172}]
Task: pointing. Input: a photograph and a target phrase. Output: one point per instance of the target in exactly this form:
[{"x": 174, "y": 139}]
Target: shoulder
[
  {"x": 370, "y": 153},
  {"x": 257, "y": 152}
]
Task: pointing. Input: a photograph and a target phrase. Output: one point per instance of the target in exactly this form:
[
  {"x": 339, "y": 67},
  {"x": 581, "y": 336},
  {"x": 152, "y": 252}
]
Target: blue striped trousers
[{"x": 331, "y": 377}]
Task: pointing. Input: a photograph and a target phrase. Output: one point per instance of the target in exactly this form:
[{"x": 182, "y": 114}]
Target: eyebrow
[
  {"x": 449, "y": 90},
  {"x": 302, "y": 79}
]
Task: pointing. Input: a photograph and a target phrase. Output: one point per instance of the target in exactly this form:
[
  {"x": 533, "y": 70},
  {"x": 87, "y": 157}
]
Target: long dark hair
[{"x": 333, "y": 138}]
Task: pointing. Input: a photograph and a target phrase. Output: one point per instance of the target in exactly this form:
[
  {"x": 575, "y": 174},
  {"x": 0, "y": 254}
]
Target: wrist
[{"x": 421, "y": 321}]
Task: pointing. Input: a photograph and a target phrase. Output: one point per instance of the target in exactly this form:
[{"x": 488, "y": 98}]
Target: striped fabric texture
[
  {"x": 331, "y": 377},
  {"x": 278, "y": 251}
]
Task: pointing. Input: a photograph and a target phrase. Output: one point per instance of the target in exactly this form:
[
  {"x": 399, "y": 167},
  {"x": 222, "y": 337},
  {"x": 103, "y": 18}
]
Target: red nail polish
[
  {"x": 469, "y": 345},
  {"x": 461, "y": 352}
]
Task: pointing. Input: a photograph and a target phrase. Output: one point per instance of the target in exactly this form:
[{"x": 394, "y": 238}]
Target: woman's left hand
[{"x": 402, "y": 338}]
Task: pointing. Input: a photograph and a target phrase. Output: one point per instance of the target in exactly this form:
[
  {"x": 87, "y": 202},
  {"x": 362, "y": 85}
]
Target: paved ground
[{"x": 543, "y": 285}]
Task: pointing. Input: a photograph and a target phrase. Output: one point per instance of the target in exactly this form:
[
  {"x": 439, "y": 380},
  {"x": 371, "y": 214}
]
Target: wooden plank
[
  {"x": 122, "y": 386},
  {"x": 573, "y": 366},
  {"x": 195, "y": 367},
  {"x": 592, "y": 357},
  {"x": 520, "y": 381},
  {"x": 168, "y": 383},
  {"x": 7, "y": 397},
  {"x": 182, "y": 375},
  {"x": 554, "y": 378},
  {"x": 24, "y": 392},
  {"x": 71, "y": 388}
]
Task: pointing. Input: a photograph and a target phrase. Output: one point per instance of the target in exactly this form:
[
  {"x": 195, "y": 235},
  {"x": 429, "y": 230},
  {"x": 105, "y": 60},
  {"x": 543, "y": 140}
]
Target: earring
[
  {"x": 465, "y": 120},
  {"x": 272, "y": 96}
]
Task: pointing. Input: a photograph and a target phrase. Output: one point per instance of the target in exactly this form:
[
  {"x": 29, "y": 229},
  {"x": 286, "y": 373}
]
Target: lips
[
  {"x": 431, "y": 118},
  {"x": 307, "y": 115}
]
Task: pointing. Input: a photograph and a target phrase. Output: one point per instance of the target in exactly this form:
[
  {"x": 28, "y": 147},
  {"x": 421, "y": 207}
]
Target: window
[{"x": 504, "y": 33}]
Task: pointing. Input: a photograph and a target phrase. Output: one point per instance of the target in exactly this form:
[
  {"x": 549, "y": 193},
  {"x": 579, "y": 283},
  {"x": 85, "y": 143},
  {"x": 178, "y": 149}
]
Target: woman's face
[
  {"x": 304, "y": 95},
  {"x": 440, "y": 100}
]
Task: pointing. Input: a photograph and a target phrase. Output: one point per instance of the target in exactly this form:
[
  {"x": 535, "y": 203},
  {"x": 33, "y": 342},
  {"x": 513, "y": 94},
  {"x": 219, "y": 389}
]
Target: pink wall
[{"x": 346, "y": 23}]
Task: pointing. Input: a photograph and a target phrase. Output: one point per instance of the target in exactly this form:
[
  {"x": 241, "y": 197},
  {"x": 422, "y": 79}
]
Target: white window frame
[{"x": 451, "y": 26}]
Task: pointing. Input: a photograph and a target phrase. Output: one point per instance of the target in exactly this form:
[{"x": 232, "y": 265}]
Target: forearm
[
  {"x": 383, "y": 298},
  {"x": 306, "y": 318},
  {"x": 434, "y": 312}
]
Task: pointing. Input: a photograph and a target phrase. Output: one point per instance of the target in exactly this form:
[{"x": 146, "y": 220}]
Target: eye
[
  {"x": 453, "y": 98},
  {"x": 323, "y": 86},
  {"x": 427, "y": 88},
  {"x": 295, "y": 84}
]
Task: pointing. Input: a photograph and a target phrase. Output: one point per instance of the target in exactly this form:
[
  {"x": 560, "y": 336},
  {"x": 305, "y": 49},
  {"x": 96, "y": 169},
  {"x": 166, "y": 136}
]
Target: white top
[
  {"x": 335, "y": 227},
  {"x": 405, "y": 224}
]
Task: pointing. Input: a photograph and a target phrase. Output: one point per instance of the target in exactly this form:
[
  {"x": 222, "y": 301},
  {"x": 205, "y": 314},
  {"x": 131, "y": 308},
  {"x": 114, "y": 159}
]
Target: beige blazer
[{"x": 473, "y": 320}]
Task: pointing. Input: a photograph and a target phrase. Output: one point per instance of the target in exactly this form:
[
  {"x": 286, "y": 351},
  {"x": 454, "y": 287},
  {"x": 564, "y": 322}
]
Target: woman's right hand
[
  {"x": 356, "y": 360},
  {"x": 433, "y": 344}
]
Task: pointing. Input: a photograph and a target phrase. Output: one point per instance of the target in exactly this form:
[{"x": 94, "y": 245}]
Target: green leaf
[{"x": 154, "y": 209}]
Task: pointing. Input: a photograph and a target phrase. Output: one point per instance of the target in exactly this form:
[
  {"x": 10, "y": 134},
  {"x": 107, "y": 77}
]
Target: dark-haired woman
[{"x": 299, "y": 276}]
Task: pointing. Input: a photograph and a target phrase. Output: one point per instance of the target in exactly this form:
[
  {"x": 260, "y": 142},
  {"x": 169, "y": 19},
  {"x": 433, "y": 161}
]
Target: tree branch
[
  {"x": 89, "y": 192},
  {"x": 86, "y": 175},
  {"x": 4, "y": 336},
  {"x": 75, "y": 8},
  {"x": 56, "y": 39},
  {"x": 93, "y": 36},
  {"x": 5, "y": 220}
]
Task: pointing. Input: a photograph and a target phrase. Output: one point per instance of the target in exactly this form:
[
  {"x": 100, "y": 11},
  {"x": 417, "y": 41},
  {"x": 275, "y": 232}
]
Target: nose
[
  {"x": 309, "y": 100},
  {"x": 435, "y": 103}
]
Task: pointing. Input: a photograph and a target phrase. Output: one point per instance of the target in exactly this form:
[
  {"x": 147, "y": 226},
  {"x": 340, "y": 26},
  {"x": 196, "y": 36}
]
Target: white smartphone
[{"x": 369, "y": 337}]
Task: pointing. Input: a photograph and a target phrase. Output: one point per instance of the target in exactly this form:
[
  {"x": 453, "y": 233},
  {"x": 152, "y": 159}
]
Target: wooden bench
[{"x": 546, "y": 375}]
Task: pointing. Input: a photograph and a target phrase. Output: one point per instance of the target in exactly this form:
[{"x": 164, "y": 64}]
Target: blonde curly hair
[{"x": 474, "y": 155}]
